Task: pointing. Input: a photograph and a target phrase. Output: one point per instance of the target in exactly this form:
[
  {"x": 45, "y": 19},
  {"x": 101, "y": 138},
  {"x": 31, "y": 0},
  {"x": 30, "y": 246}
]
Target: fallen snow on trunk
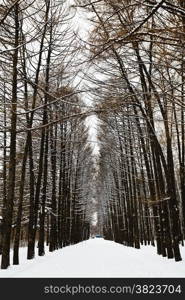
[{"x": 98, "y": 258}]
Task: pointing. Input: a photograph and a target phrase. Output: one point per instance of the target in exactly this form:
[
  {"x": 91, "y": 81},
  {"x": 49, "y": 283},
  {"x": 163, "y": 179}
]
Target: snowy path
[{"x": 98, "y": 258}]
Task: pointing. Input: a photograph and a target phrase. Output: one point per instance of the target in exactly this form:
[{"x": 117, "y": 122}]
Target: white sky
[{"x": 83, "y": 26}]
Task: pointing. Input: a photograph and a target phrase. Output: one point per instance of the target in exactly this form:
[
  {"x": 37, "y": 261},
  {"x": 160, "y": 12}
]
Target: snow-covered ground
[{"x": 98, "y": 258}]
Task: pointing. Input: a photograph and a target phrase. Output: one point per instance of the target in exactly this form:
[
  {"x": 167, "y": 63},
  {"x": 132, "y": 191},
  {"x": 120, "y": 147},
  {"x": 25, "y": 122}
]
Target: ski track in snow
[{"x": 97, "y": 258}]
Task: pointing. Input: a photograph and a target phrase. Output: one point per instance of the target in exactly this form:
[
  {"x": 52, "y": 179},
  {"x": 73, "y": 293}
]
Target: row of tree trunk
[
  {"x": 45, "y": 159},
  {"x": 138, "y": 49}
]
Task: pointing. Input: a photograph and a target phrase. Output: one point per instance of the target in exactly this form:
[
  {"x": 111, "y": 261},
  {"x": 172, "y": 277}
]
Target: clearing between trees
[{"x": 97, "y": 258}]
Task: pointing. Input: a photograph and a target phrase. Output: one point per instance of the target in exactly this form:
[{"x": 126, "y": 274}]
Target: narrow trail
[{"x": 97, "y": 258}]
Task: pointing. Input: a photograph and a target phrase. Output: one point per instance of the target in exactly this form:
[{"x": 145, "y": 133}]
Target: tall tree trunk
[
  {"x": 42, "y": 214},
  {"x": 7, "y": 223},
  {"x": 4, "y": 174}
]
